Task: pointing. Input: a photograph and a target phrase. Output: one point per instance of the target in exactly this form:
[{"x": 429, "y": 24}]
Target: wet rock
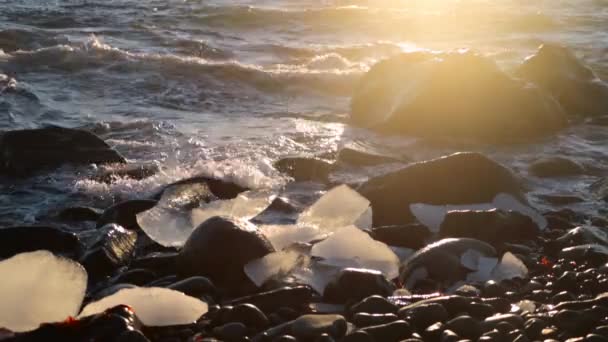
[
  {"x": 394, "y": 331},
  {"x": 285, "y": 338},
  {"x": 131, "y": 171},
  {"x": 492, "y": 226},
  {"x": 25, "y": 151},
  {"x": 465, "y": 326},
  {"x": 137, "y": 276},
  {"x": 461, "y": 178},
  {"x": 590, "y": 252},
  {"x": 556, "y": 167},
  {"x": 493, "y": 322},
  {"x": 231, "y": 331},
  {"x": 124, "y": 213},
  {"x": 307, "y": 327},
  {"x": 577, "y": 88},
  {"x": 194, "y": 286},
  {"x": 374, "y": 305},
  {"x": 354, "y": 284},
  {"x": 425, "y": 315},
  {"x": 581, "y": 236},
  {"x": 534, "y": 327},
  {"x": 15, "y": 240},
  {"x": 433, "y": 332},
  {"x": 481, "y": 310},
  {"x": 449, "y": 336},
  {"x": 359, "y": 155},
  {"x": 493, "y": 289},
  {"x": 408, "y": 236},
  {"x": 363, "y": 319},
  {"x": 249, "y": 315},
  {"x": 111, "y": 250},
  {"x": 215, "y": 188},
  {"x": 576, "y": 322},
  {"x": 561, "y": 199},
  {"x": 79, "y": 214},
  {"x": 280, "y": 211},
  {"x": 132, "y": 336},
  {"x": 440, "y": 261},
  {"x": 160, "y": 263},
  {"x": 303, "y": 169},
  {"x": 219, "y": 248},
  {"x": 293, "y": 297},
  {"x": 358, "y": 336}
]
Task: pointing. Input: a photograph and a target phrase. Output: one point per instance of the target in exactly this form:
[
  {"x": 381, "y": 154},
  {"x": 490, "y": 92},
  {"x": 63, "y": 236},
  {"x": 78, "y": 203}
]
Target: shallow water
[{"x": 227, "y": 87}]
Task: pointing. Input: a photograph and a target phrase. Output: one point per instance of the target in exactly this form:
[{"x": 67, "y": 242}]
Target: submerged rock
[
  {"x": 220, "y": 247},
  {"x": 556, "y": 167},
  {"x": 461, "y": 178},
  {"x": 303, "y": 169},
  {"x": 453, "y": 95},
  {"x": 112, "y": 249},
  {"x": 26, "y": 151},
  {"x": 14, "y": 240}
]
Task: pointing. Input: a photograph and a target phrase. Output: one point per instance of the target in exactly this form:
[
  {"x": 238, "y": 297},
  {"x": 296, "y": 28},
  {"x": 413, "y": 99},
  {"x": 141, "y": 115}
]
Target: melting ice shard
[
  {"x": 281, "y": 236},
  {"x": 509, "y": 267},
  {"x": 339, "y": 207},
  {"x": 39, "y": 287},
  {"x": 154, "y": 306},
  {"x": 433, "y": 215},
  {"x": 272, "y": 265},
  {"x": 485, "y": 268},
  {"x": 170, "y": 223},
  {"x": 352, "y": 247}
]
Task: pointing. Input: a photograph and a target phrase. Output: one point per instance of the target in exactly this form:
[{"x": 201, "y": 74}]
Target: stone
[
  {"x": 408, "y": 236},
  {"x": 132, "y": 336},
  {"x": 375, "y": 305},
  {"x": 364, "y": 319},
  {"x": 194, "y": 286},
  {"x": 360, "y": 154},
  {"x": 425, "y": 315},
  {"x": 136, "y": 276},
  {"x": 234, "y": 331},
  {"x": 358, "y": 336},
  {"x": 112, "y": 249},
  {"x": 465, "y": 326},
  {"x": 589, "y": 252},
  {"x": 270, "y": 301},
  {"x": 555, "y": 167},
  {"x": 249, "y": 315},
  {"x": 308, "y": 327},
  {"x": 303, "y": 169},
  {"x": 207, "y": 189},
  {"x": 461, "y": 178},
  {"x": 513, "y": 319},
  {"x": 79, "y": 214},
  {"x": 219, "y": 248},
  {"x": 354, "y": 284},
  {"x": 15, "y": 240},
  {"x": 478, "y": 102},
  {"x": 23, "y": 152},
  {"x": 130, "y": 171},
  {"x": 534, "y": 327},
  {"x": 160, "y": 263},
  {"x": 124, "y": 213},
  {"x": 394, "y": 331}
]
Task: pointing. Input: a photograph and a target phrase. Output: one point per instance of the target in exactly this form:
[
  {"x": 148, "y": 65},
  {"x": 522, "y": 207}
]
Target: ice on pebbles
[
  {"x": 39, "y": 287},
  {"x": 281, "y": 236},
  {"x": 509, "y": 267},
  {"x": 272, "y": 265},
  {"x": 339, "y": 207},
  {"x": 486, "y": 268},
  {"x": 433, "y": 215},
  {"x": 170, "y": 223},
  {"x": 352, "y": 247},
  {"x": 154, "y": 306}
]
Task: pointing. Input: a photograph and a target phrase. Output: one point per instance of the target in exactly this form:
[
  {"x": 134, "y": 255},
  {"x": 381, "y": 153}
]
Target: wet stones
[
  {"x": 23, "y": 152},
  {"x": 375, "y": 305},
  {"x": 111, "y": 250},
  {"x": 461, "y": 178},
  {"x": 303, "y": 169},
  {"x": 354, "y": 284},
  {"x": 408, "y": 236},
  {"x": 15, "y": 240},
  {"x": 194, "y": 286},
  {"x": 291, "y": 297},
  {"x": 219, "y": 248},
  {"x": 124, "y": 213},
  {"x": 556, "y": 167},
  {"x": 308, "y": 327}
]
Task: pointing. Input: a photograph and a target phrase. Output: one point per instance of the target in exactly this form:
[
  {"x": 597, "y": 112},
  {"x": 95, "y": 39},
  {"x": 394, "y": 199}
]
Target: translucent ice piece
[
  {"x": 509, "y": 267},
  {"x": 39, "y": 287},
  {"x": 352, "y": 247},
  {"x": 339, "y": 207},
  {"x": 508, "y": 202},
  {"x": 245, "y": 206},
  {"x": 154, "y": 306},
  {"x": 282, "y": 236},
  {"x": 271, "y": 265}
]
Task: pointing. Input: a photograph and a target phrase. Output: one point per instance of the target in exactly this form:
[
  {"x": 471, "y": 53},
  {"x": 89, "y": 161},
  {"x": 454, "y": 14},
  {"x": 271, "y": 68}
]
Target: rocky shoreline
[{"x": 443, "y": 250}]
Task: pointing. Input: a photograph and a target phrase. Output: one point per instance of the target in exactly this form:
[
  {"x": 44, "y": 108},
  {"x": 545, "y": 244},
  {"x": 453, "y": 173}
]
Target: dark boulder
[
  {"x": 111, "y": 250},
  {"x": 575, "y": 86},
  {"x": 556, "y": 167},
  {"x": 461, "y": 178},
  {"x": 296, "y": 297},
  {"x": 205, "y": 189},
  {"x": 220, "y": 247},
  {"x": 194, "y": 286},
  {"x": 453, "y": 95},
  {"x": 363, "y": 155},
  {"x": 492, "y": 226},
  {"x": 408, "y": 236},
  {"x": 26, "y": 151},
  {"x": 15, "y": 240},
  {"x": 355, "y": 284},
  {"x": 124, "y": 213},
  {"x": 79, "y": 214},
  {"x": 303, "y": 169}
]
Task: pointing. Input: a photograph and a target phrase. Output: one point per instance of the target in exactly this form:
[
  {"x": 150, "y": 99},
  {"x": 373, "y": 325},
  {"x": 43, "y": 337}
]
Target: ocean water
[{"x": 225, "y": 88}]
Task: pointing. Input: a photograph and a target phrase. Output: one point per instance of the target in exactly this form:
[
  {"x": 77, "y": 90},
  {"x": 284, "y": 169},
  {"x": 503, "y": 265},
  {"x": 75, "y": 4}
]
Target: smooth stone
[
  {"x": 124, "y": 213},
  {"x": 271, "y": 301},
  {"x": 394, "y": 331},
  {"x": 465, "y": 326},
  {"x": 354, "y": 284},
  {"x": 311, "y": 326},
  {"x": 219, "y": 248},
  {"x": 374, "y": 305},
  {"x": 493, "y": 289},
  {"x": 582, "y": 235},
  {"x": 325, "y": 338},
  {"x": 194, "y": 286},
  {"x": 433, "y": 332},
  {"x": 597, "y": 253},
  {"x": 461, "y": 178},
  {"x": 25, "y": 151},
  {"x": 555, "y": 167},
  {"x": 231, "y": 331},
  {"x": 15, "y": 240},
  {"x": 79, "y": 214},
  {"x": 364, "y": 319},
  {"x": 480, "y": 310},
  {"x": 358, "y": 155},
  {"x": 358, "y": 336},
  {"x": 249, "y": 315},
  {"x": 136, "y": 276},
  {"x": 448, "y": 336},
  {"x": 161, "y": 263},
  {"x": 285, "y": 338},
  {"x": 303, "y": 169},
  {"x": 216, "y": 188},
  {"x": 408, "y": 236},
  {"x": 595, "y": 338},
  {"x": 111, "y": 250},
  {"x": 132, "y": 336},
  {"x": 513, "y": 319},
  {"x": 425, "y": 315}
]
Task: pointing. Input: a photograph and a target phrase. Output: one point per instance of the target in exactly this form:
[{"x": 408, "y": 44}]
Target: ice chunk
[
  {"x": 154, "y": 306},
  {"x": 524, "y": 306},
  {"x": 316, "y": 275},
  {"x": 339, "y": 207},
  {"x": 352, "y": 247},
  {"x": 433, "y": 215},
  {"x": 272, "y": 265},
  {"x": 510, "y": 267},
  {"x": 39, "y": 287},
  {"x": 170, "y": 222},
  {"x": 282, "y": 236},
  {"x": 483, "y": 270}
]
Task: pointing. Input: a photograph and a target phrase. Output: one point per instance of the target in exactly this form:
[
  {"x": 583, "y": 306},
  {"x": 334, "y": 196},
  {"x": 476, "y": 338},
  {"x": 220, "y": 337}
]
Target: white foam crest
[
  {"x": 329, "y": 61},
  {"x": 154, "y": 306},
  {"x": 39, "y": 287}
]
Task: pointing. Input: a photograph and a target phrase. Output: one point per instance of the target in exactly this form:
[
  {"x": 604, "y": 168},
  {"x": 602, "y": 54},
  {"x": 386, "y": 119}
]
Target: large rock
[
  {"x": 354, "y": 284},
  {"x": 112, "y": 249},
  {"x": 31, "y": 150},
  {"x": 453, "y": 95},
  {"x": 124, "y": 213},
  {"x": 15, "y": 240},
  {"x": 220, "y": 247},
  {"x": 303, "y": 169},
  {"x": 557, "y": 70},
  {"x": 461, "y": 178}
]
